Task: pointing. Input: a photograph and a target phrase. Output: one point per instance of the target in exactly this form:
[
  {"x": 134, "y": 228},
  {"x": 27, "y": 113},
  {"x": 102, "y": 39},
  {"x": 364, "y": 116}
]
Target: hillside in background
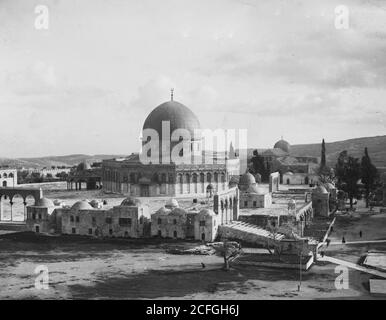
[
  {"x": 355, "y": 147},
  {"x": 68, "y": 161}
]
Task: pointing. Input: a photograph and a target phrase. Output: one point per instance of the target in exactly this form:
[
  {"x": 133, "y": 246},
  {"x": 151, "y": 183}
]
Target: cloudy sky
[{"x": 87, "y": 83}]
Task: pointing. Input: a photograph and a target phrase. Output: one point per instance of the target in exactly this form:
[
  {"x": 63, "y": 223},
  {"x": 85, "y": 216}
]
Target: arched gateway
[{"x": 10, "y": 193}]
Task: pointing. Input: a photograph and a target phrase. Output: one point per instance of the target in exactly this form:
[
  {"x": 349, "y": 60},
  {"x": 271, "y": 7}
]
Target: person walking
[
  {"x": 360, "y": 234},
  {"x": 343, "y": 240}
]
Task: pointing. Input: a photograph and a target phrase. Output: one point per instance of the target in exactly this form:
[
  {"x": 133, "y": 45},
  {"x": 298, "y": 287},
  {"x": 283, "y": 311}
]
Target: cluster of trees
[
  {"x": 260, "y": 167},
  {"x": 25, "y": 176},
  {"x": 348, "y": 172}
]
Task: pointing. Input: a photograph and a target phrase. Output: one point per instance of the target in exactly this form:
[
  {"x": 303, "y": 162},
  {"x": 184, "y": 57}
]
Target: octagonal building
[{"x": 166, "y": 125}]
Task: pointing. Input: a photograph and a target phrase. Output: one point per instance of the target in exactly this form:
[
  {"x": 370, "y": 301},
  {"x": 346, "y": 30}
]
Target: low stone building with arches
[{"x": 9, "y": 195}]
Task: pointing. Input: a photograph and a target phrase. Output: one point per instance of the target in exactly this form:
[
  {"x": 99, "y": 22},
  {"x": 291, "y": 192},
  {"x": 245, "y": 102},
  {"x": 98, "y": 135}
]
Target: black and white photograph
[{"x": 192, "y": 150}]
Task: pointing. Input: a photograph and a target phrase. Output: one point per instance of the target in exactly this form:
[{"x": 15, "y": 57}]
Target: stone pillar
[{"x": 11, "y": 203}]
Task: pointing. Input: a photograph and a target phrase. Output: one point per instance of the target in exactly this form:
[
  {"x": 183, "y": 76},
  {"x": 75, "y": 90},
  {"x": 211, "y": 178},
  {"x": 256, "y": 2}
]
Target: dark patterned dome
[
  {"x": 130, "y": 202},
  {"x": 180, "y": 117},
  {"x": 83, "y": 166},
  {"x": 247, "y": 179},
  {"x": 283, "y": 145}
]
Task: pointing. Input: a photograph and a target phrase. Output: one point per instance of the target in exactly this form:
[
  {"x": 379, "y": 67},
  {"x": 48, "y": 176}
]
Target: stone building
[
  {"x": 133, "y": 177},
  {"x": 281, "y": 159},
  {"x": 199, "y": 223},
  {"x": 130, "y": 219},
  {"x": 39, "y": 216},
  {"x": 8, "y": 177},
  {"x": 321, "y": 201},
  {"x": 297, "y": 178},
  {"x": 250, "y": 194},
  {"x": 171, "y": 221}
]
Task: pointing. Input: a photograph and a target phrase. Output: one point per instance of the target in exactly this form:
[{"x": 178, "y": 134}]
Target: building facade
[
  {"x": 8, "y": 177},
  {"x": 250, "y": 194}
]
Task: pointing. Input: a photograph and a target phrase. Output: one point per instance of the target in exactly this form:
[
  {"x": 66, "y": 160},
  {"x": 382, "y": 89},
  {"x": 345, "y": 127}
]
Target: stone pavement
[{"x": 352, "y": 266}]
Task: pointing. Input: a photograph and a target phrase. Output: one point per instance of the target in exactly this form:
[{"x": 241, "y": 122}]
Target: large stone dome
[
  {"x": 180, "y": 117},
  {"x": 283, "y": 145}
]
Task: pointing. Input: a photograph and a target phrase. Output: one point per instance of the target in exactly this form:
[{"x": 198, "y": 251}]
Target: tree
[
  {"x": 348, "y": 172},
  {"x": 369, "y": 174},
  {"x": 323, "y": 157},
  {"x": 259, "y": 166},
  {"x": 325, "y": 173},
  {"x": 227, "y": 249}
]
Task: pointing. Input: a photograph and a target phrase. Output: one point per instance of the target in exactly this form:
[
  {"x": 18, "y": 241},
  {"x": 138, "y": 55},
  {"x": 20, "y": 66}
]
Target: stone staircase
[{"x": 239, "y": 230}]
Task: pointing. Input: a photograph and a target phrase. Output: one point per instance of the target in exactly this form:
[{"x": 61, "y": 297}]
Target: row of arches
[
  {"x": 162, "y": 177},
  {"x": 7, "y": 175},
  {"x": 14, "y": 208}
]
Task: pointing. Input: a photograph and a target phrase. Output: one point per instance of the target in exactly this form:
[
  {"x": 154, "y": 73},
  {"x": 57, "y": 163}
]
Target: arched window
[{"x": 209, "y": 177}]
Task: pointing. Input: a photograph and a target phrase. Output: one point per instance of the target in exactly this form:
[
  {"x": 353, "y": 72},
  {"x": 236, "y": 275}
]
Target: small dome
[
  {"x": 171, "y": 203},
  {"x": 83, "y": 166},
  {"x": 44, "y": 202},
  {"x": 320, "y": 190},
  {"x": 130, "y": 202},
  {"x": 289, "y": 173},
  {"x": 81, "y": 205},
  {"x": 283, "y": 145},
  {"x": 247, "y": 179}
]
